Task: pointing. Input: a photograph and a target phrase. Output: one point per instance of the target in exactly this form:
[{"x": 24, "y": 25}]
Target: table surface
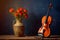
[
  {"x": 14, "y": 37},
  {"x": 28, "y": 37}
]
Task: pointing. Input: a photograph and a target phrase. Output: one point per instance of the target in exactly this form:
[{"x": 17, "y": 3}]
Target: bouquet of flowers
[
  {"x": 18, "y": 26},
  {"x": 20, "y": 13}
]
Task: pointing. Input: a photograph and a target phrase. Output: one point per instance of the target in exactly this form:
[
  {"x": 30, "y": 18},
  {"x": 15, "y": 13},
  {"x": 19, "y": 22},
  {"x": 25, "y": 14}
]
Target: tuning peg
[{"x": 50, "y": 6}]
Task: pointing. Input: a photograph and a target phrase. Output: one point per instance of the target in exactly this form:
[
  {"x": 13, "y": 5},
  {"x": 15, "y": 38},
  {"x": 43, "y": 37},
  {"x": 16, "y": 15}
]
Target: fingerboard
[{"x": 49, "y": 8}]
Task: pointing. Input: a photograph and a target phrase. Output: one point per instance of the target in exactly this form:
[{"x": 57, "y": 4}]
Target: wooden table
[
  {"x": 12, "y": 37},
  {"x": 53, "y": 37}
]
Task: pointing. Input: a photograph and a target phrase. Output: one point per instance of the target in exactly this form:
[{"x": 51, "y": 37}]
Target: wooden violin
[{"x": 46, "y": 21}]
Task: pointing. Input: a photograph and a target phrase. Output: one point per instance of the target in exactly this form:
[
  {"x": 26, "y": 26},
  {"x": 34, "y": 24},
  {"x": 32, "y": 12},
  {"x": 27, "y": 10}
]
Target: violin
[{"x": 46, "y": 21}]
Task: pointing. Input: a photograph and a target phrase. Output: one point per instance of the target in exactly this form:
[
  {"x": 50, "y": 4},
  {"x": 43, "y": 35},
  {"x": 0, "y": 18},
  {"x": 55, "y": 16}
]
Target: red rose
[
  {"x": 21, "y": 13},
  {"x": 20, "y": 9},
  {"x": 26, "y": 16},
  {"x": 25, "y": 10},
  {"x": 11, "y": 10}
]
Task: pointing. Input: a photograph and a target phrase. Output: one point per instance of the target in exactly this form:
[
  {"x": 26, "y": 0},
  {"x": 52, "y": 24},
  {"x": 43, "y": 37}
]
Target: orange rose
[
  {"x": 18, "y": 11},
  {"x": 11, "y": 10},
  {"x": 16, "y": 14}
]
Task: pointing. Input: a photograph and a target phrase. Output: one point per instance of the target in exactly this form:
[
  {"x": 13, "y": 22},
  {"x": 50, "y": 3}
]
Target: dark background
[{"x": 36, "y": 10}]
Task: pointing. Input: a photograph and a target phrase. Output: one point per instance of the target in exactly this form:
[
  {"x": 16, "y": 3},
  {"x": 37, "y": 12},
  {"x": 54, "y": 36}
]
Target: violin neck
[{"x": 50, "y": 6}]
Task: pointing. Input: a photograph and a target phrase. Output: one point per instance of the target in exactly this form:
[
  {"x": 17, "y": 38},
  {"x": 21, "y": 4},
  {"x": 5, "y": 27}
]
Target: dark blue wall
[{"x": 36, "y": 9}]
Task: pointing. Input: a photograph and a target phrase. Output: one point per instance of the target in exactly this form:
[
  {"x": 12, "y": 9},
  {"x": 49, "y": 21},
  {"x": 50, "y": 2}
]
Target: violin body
[
  {"x": 46, "y": 33},
  {"x": 48, "y": 20},
  {"x": 45, "y": 26}
]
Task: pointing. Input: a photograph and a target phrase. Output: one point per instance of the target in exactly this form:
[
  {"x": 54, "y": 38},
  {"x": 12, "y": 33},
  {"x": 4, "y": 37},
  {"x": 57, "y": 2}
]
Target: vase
[{"x": 18, "y": 28}]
